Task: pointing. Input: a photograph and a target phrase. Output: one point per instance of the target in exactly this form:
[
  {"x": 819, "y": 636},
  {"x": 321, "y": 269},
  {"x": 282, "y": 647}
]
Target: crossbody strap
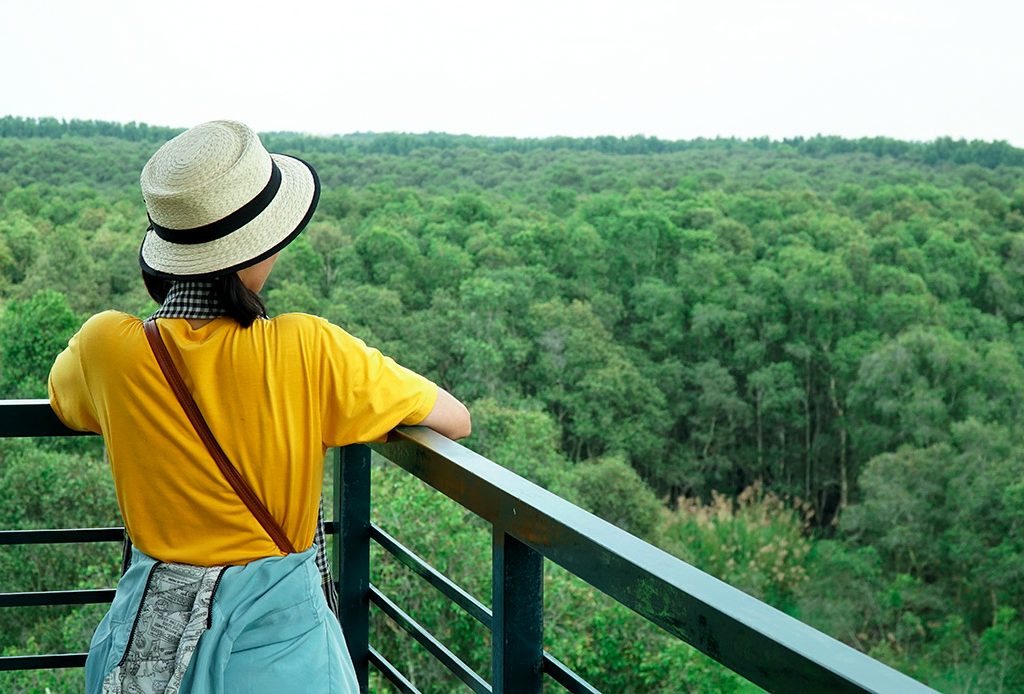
[{"x": 188, "y": 403}]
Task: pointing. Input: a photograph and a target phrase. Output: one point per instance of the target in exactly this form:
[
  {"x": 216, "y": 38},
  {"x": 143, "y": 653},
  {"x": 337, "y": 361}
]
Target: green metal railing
[{"x": 530, "y": 525}]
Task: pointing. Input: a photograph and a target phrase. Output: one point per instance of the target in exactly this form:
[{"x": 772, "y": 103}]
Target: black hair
[{"x": 240, "y": 302}]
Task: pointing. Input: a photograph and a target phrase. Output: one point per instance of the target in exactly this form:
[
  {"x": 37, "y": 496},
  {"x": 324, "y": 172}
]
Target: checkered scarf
[
  {"x": 196, "y": 299},
  {"x": 191, "y": 299}
]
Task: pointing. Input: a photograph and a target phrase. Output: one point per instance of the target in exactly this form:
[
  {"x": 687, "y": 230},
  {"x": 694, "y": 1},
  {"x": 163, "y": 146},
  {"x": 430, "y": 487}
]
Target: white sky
[{"x": 904, "y": 68}]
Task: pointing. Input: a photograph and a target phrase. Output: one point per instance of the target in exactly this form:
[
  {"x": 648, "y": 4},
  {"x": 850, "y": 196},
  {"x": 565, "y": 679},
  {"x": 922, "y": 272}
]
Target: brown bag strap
[{"x": 242, "y": 489}]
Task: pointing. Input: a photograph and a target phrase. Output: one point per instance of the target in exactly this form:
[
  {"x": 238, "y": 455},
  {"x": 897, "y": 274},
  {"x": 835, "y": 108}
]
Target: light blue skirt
[{"x": 266, "y": 628}]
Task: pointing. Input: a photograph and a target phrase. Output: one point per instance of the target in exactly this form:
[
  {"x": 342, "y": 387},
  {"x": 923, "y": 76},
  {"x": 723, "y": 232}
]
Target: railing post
[
  {"x": 352, "y": 553},
  {"x": 517, "y": 635}
]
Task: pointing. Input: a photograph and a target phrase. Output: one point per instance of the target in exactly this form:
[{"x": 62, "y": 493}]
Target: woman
[{"x": 223, "y": 592}]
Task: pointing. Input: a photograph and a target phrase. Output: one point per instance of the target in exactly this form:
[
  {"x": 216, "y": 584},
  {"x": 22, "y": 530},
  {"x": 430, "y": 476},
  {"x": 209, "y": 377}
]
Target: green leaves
[
  {"x": 50, "y": 489},
  {"x": 828, "y": 318},
  {"x": 32, "y": 334}
]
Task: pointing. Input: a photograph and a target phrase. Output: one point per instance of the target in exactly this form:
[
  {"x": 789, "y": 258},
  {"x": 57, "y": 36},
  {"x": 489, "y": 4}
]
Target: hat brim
[{"x": 273, "y": 229}]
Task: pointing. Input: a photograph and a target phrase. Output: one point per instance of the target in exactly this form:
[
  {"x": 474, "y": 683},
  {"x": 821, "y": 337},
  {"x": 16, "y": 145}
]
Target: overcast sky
[{"x": 901, "y": 68}]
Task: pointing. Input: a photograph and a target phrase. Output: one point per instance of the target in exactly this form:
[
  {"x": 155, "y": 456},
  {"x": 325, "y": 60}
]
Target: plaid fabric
[
  {"x": 195, "y": 299},
  {"x": 330, "y": 588},
  {"x": 191, "y": 299}
]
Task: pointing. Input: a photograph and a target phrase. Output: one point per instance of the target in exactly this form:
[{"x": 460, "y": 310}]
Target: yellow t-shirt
[{"x": 275, "y": 396}]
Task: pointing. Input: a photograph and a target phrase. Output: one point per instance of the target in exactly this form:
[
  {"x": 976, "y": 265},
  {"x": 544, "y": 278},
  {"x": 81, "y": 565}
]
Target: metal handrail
[
  {"x": 755, "y": 640},
  {"x": 531, "y": 525}
]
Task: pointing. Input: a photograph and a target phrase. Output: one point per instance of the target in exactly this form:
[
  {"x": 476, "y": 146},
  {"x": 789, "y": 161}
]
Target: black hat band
[{"x": 233, "y": 222}]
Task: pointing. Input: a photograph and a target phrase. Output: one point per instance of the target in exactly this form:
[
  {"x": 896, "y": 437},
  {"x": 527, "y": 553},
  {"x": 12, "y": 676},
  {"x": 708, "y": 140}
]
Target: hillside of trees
[{"x": 798, "y": 365}]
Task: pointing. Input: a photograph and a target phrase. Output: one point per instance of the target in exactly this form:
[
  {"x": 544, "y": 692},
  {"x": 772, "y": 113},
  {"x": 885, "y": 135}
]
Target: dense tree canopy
[{"x": 798, "y": 365}]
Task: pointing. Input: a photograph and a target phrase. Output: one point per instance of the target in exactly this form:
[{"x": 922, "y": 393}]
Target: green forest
[{"x": 797, "y": 365}]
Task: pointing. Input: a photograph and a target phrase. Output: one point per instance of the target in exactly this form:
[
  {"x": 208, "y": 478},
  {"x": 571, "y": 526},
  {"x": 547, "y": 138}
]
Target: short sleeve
[
  {"x": 366, "y": 394},
  {"x": 68, "y": 390}
]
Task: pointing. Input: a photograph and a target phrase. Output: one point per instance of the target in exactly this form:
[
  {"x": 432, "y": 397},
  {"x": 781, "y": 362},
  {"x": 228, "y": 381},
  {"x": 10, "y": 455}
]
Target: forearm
[{"x": 449, "y": 416}]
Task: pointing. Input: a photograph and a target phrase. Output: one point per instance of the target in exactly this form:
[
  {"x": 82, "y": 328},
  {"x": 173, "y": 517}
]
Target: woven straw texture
[{"x": 205, "y": 174}]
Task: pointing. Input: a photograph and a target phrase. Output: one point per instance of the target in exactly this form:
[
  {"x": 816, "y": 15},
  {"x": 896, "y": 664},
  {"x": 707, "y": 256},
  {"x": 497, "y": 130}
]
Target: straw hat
[{"x": 219, "y": 202}]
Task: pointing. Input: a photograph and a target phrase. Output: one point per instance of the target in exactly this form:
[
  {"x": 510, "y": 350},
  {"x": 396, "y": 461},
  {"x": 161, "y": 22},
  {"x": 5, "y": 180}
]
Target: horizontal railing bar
[
  {"x": 42, "y": 662},
  {"x": 449, "y": 588},
  {"x": 428, "y": 641},
  {"x": 22, "y": 418},
  {"x": 567, "y": 678},
  {"x": 391, "y": 673},
  {"x": 57, "y": 536},
  {"x": 554, "y": 667},
  {"x": 57, "y": 597},
  {"x": 761, "y": 643}
]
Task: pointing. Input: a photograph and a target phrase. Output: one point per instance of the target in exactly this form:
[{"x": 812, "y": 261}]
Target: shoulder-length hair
[{"x": 241, "y": 303}]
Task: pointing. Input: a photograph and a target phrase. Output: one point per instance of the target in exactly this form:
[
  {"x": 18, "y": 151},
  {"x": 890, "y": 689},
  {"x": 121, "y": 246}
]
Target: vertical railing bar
[
  {"x": 517, "y": 638},
  {"x": 351, "y": 556}
]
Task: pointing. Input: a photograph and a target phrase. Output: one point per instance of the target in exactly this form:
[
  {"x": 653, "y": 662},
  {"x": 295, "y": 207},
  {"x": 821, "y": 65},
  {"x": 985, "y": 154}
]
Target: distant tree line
[{"x": 941, "y": 150}]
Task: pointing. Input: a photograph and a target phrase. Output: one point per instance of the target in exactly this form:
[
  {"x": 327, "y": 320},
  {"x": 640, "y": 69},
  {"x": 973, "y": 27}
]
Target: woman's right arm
[
  {"x": 366, "y": 394},
  {"x": 449, "y": 416}
]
